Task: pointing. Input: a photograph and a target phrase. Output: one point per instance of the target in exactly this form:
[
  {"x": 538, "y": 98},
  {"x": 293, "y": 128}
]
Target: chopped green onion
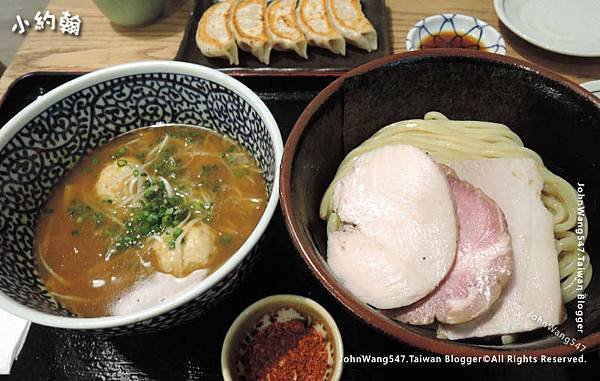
[
  {"x": 225, "y": 239},
  {"x": 120, "y": 152},
  {"x": 99, "y": 218},
  {"x": 153, "y": 219},
  {"x": 208, "y": 169},
  {"x": 241, "y": 172},
  {"x": 74, "y": 233},
  {"x": 177, "y": 232},
  {"x": 175, "y": 200},
  {"x": 150, "y": 193},
  {"x": 145, "y": 228},
  {"x": 95, "y": 161},
  {"x": 121, "y": 162}
]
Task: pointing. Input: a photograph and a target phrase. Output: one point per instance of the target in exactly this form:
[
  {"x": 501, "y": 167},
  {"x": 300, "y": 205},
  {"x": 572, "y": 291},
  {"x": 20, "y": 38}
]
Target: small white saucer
[
  {"x": 593, "y": 87},
  {"x": 488, "y": 38},
  {"x": 569, "y": 27}
]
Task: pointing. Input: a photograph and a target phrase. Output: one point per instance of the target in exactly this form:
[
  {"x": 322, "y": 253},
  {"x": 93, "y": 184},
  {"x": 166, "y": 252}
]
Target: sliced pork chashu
[
  {"x": 399, "y": 235},
  {"x": 482, "y": 267},
  {"x": 533, "y": 290}
]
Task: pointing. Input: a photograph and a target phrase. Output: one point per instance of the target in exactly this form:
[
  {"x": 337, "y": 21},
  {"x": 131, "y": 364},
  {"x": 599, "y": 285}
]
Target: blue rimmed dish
[
  {"x": 47, "y": 138},
  {"x": 457, "y": 26}
]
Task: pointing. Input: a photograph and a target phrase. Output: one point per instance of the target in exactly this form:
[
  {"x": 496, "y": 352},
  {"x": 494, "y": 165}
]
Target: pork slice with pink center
[
  {"x": 483, "y": 263},
  {"x": 398, "y": 238}
]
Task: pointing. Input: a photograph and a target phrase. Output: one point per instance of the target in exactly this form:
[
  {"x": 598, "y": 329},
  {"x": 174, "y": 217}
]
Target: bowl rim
[
  {"x": 146, "y": 67},
  {"x": 250, "y": 311},
  {"x": 316, "y": 263}
]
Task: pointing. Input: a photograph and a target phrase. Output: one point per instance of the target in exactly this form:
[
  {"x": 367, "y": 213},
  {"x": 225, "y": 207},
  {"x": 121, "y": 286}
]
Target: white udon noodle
[{"x": 447, "y": 140}]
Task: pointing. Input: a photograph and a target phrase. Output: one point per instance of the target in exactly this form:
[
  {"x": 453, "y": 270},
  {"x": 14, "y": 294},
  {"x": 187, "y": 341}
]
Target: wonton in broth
[{"x": 170, "y": 199}]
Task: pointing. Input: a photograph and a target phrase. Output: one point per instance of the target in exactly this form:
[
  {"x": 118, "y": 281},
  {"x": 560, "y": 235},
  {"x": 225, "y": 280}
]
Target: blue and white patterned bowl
[
  {"x": 488, "y": 38},
  {"x": 49, "y": 136}
]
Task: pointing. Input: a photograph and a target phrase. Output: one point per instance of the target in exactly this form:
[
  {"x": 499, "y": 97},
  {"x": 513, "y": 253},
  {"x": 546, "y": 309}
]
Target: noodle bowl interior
[
  {"x": 161, "y": 204},
  {"x": 472, "y": 232}
]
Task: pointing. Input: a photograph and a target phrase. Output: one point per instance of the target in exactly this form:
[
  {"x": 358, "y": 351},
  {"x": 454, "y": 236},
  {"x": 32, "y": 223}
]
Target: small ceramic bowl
[
  {"x": 456, "y": 26},
  {"x": 251, "y": 316},
  {"x": 47, "y": 138}
]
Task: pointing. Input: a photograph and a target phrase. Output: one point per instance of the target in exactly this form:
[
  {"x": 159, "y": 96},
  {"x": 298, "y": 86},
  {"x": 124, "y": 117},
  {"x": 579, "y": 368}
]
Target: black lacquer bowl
[
  {"x": 40, "y": 144},
  {"x": 553, "y": 116}
]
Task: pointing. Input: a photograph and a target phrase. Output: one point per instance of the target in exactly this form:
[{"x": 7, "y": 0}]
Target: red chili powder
[{"x": 285, "y": 352}]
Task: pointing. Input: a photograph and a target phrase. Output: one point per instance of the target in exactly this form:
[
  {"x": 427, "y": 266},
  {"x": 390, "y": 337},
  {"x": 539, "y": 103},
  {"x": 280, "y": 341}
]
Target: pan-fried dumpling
[
  {"x": 347, "y": 16},
  {"x": 311, "y": 16},
  {"x": 282, "y": 28},
  {"x": 248, "y": 25},
  {"x": 214, "y": 37}
]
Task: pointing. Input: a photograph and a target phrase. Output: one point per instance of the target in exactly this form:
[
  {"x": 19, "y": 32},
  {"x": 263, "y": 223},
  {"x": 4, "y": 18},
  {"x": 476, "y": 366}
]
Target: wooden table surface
[{"x": 102, "y": 43}]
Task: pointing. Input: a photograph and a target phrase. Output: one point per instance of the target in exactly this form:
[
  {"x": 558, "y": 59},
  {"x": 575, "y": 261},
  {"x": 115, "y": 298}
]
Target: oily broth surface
[{"x": 78, "y": 230}]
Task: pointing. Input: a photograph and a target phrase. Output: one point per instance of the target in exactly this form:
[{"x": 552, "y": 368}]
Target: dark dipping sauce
[{"x": 449, "y": 39}]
